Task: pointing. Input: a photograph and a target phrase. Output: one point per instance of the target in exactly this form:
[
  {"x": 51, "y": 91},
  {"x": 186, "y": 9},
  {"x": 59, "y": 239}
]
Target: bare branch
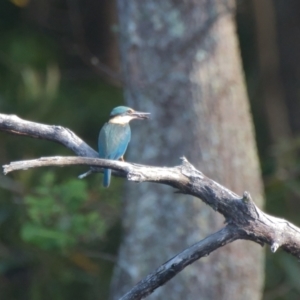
[
  {"x": 241, "y": 211},
  {"x": 172, "y": 267},
  {"x": 15, "y": 125},
  {"x": 244, "y": 219},
  {"x": 133, "y": 172}
]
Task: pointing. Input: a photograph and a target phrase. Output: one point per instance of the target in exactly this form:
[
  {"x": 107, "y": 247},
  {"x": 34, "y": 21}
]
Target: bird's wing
[{"x": 113, "y": 140}]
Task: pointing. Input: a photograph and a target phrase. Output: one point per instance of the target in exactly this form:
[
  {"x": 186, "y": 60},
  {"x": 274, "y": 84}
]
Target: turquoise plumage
[
  {"x": 113, "y": 142},
  {"x": 115, "y": 136}
]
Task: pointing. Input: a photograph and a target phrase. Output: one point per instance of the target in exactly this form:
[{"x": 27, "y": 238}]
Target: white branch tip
[{"x": 274, "y": 247}]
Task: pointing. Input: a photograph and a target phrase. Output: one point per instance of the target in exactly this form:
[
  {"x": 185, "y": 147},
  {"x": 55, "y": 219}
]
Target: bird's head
[{"x": 123, "y": 115}]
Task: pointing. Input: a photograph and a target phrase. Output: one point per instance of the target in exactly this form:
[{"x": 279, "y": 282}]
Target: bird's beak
[{"x": 140, "y": 115}]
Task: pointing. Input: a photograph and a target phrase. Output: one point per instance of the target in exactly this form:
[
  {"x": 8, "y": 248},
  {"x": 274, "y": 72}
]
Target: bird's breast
[{"x": 113, "y": 140}]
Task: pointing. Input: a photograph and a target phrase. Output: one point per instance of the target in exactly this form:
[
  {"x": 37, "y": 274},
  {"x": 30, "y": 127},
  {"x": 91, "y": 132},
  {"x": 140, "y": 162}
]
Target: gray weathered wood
[
  {"x": 240, "y": 211},
  {"x": 243, "y": 218}
]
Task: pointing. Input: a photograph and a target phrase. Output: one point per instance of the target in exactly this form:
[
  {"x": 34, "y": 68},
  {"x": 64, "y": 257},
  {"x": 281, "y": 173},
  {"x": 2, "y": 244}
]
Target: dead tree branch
[
  {"x": 243, "y": 218},
  {"x": 15, "y": 125},
  {"x": 172, "y": 267}
]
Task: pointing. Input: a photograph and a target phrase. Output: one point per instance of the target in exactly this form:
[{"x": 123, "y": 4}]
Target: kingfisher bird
[{"x": 115, "y": 135}]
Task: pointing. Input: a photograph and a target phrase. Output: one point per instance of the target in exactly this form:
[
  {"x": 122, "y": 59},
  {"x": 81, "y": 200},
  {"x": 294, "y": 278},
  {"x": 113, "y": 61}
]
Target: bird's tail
[{"x": 106, "y": 177}]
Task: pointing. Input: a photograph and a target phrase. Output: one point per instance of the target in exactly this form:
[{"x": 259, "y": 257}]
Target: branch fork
[{"x": 244, "y": 220}]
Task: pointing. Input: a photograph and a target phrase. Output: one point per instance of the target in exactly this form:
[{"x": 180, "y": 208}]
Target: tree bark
[{"x": 181, "y": 63}]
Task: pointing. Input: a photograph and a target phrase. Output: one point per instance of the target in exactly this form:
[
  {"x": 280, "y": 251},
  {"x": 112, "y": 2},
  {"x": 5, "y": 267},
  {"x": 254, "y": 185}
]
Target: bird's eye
[{"x": 130, "y": 111}]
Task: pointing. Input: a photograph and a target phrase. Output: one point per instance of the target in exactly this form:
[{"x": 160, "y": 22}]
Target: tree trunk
[{"x": 181, "y": 63}]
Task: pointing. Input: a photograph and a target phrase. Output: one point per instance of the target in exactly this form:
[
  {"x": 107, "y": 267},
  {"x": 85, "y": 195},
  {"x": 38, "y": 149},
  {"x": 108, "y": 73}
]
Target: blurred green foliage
[
  {"x": 58, "y": 234},
  {"x": 58, "y": 217}
]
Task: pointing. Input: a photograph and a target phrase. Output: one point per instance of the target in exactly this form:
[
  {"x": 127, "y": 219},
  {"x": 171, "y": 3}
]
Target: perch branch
[
  {"x": 241, "y": 211},
  {"x": 244, "y": 219}
]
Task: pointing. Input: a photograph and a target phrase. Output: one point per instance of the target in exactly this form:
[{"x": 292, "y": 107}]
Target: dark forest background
[{"x": 59, "y": 64}]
